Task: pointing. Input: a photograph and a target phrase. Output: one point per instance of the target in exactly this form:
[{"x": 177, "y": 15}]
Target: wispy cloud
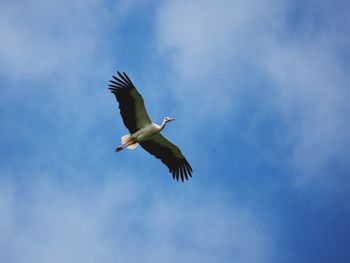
[
  {"x": 312, "y": 98},
  {"x": 37, "y": 41},
  {"x": 50, "y": 222}
]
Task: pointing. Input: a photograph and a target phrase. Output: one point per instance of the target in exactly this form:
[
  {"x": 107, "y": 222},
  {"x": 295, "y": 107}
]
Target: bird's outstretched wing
[
  {"x": 169, "y": 154},
  {"x": 131, "y": 105}
]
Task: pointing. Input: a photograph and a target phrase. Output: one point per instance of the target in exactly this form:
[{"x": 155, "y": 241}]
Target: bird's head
[{"x": 168, "y": 119}]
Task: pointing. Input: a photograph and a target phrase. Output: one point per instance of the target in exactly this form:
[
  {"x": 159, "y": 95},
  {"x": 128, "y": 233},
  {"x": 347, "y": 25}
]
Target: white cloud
[
  {"x": 118, "y": 221},
  {"x": 63, "y": 41},
  {"x": 207, "y": 36},
  {"x": 312, "y": 97},
  {"x": 210, "y": 45},
  {"x": 43, "y": 37}
]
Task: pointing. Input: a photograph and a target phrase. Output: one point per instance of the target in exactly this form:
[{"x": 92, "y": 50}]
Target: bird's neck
[{"x": 163, "y": 125}]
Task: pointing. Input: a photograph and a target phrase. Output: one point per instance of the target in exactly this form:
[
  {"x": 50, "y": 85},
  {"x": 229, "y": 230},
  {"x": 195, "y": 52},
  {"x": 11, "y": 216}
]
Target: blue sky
[{"x": 260, "y": 93}]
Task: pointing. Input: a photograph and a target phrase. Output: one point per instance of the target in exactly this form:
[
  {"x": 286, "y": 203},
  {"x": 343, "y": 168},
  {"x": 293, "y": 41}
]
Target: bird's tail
[
  {"x": 125, "y": 138},
  {"x": 132, "y": 146},
  {"x": 126, "y": 143}
]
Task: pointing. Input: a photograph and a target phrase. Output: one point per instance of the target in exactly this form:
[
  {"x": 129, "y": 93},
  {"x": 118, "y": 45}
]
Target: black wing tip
[
  {"x": 188, "y": 166},
  {"x": 122, "y": 80},
  {"x": 183, "y": 172},
  {"x": 125, "y": 78},
  {"x": 113, "y": 89}
]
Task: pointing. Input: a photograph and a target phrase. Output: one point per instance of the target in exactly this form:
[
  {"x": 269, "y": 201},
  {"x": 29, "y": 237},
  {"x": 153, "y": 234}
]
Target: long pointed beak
[{"x": 171, "y": 119}]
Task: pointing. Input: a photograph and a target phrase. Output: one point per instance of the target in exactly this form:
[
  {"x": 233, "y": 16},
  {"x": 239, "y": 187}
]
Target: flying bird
[{"x": 143, "y": 131}]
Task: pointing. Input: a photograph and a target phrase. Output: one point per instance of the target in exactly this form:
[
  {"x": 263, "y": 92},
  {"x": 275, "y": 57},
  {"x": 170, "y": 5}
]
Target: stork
[{"x": 143, "y": 131}]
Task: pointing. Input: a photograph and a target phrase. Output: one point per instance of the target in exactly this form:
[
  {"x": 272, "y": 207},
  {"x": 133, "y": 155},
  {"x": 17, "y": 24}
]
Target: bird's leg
[{"x": 119, "y": 148}]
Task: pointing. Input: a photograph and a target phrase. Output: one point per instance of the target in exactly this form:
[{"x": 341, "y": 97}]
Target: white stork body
[
  {"x": 146, "y": 132},
  {"x": 143, "y": 131}
]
